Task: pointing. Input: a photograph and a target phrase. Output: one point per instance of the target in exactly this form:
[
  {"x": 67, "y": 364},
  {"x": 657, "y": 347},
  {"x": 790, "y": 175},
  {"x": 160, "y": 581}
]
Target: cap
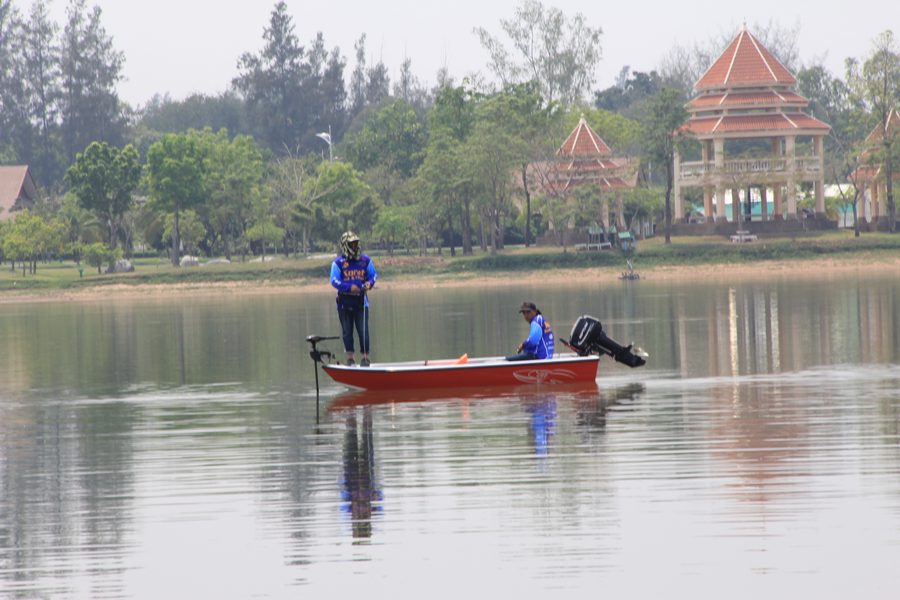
[{"x": 528, "y": 307}]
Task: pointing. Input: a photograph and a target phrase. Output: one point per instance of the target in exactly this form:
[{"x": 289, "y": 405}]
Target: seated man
[{"x": 539, "y": 344}]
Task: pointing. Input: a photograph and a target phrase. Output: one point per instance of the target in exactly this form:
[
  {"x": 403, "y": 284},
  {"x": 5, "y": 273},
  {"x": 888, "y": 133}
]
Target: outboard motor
[{"x": 588, "y": 337}]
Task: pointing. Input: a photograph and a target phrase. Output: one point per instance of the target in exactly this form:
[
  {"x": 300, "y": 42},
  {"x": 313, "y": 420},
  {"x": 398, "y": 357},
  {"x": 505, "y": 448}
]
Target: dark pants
[
  {"x": 522, "y": 356},
  {"x": 358, "y": 318}
]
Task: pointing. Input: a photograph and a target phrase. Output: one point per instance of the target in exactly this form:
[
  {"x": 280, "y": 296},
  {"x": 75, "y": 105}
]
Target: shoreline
[{"x": 817, "y": 268}]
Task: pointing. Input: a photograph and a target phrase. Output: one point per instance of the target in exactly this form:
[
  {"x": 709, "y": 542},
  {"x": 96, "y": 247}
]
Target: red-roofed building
[
  {"x": 17, "y": 190},
  {"x": 582, "y": 159},
  {"x": 745, "y": 97},
  {"x": 870, "y": 176}
]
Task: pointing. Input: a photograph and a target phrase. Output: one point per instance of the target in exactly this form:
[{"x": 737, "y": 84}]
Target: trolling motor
[
  {"x": 318, "y": 356},
  {"x": 588, "y": 337}
]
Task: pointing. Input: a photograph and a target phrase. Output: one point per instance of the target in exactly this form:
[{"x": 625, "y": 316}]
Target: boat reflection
[
  {"x": 358, "y": 398},
  {"x": 361, "y": 494}
]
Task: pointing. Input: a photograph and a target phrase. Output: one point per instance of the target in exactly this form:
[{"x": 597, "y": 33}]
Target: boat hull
[{"x": 475, "y": 373}]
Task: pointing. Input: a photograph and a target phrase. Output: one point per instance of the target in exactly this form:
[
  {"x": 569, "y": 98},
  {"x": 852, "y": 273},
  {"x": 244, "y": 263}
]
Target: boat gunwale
[{"x": 492, "y": 362}]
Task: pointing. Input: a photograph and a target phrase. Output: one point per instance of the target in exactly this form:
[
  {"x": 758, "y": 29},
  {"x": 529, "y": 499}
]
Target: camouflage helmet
[{"x": 346, "y": 238}]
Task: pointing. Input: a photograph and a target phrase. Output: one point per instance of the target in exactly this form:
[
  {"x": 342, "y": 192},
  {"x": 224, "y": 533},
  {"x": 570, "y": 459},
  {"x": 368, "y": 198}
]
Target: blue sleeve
[
  {"x": 534, "y": 338},
  {"x": 371, "y": 274},
  {"x": 337, "y": 280}
]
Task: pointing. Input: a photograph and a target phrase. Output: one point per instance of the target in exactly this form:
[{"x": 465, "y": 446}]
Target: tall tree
[
  {"x": 559, "y": 53},
  {"x": 833, "y": 101},
  {"x": 494, "y": 150},
  {"x": 271, "y": 83},
  {"x": 665, "y": 114},
  {"x": 291, "y": 94},
  {"x": 14, "y": 130},
  {"x": 162, "y": 114},
  {"x": 358, "y": 78},
  {"x": 392, "y": 136},
  {"x": 41, "y": 69},
  {"x": 537, "y": 125},
  {"x": 90, "y": 69},
  {"x": 103, "y": 178},
  {"x": 174, "y": 174},
  {"x": 232, "y": 183},
  {"x": 443, "y": 171},
  {"x": 878, "y": 85},
  {"x": 632, "y": 88}
]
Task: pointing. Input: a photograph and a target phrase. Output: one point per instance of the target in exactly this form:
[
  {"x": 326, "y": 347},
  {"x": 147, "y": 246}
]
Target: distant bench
[
  {"x": 741, "y": 237},
  {"x": 594, "y": 246}
]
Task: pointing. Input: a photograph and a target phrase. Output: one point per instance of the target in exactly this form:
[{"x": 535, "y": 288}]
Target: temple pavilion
[
  {"x": 584, "y": 158},
  {"x": 753, "y": 133},
  {"x": 870, "y": 176}
]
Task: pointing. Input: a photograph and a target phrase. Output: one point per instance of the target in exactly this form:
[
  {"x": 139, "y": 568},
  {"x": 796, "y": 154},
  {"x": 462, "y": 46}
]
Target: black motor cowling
[{"x": 588, "y": 337}]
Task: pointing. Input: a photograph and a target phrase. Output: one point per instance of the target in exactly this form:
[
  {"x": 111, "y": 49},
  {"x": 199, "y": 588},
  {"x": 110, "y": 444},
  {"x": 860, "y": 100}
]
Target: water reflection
[
  {"x": 543, "y": 422},
  {"x": 759, "y": 445},
  {"x": 360, "y": 490}
]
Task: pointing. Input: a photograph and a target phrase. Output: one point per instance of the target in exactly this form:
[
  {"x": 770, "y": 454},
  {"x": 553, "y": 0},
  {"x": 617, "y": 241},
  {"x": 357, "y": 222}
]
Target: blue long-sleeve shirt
[
  {"x": 346, "y": 273},
  {"x": 540, "y": 338}
]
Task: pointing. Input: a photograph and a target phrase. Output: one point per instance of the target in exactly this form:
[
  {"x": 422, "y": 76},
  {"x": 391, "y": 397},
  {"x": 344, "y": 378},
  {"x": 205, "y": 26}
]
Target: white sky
[{"x": 184, "y": 46}]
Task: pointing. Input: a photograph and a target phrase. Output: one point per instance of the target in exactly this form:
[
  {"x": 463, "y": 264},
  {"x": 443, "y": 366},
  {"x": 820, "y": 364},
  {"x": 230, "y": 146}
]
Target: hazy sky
[{"x": 184, "y": 46}]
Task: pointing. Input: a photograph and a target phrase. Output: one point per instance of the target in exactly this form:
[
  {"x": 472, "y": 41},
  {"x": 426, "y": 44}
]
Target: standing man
[
  {"x": 352, "y": 275},
  {"x": 539, "y": 344}
]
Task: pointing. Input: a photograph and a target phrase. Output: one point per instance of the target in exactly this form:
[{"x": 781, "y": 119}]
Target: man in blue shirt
[
  {"x": 352, "y": 275},
  {"x": 539, "y": 344}
]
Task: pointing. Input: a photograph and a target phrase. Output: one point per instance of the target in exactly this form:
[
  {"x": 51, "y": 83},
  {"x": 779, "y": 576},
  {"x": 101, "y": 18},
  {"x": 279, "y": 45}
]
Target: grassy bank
[{"x": 681, "y": 252}]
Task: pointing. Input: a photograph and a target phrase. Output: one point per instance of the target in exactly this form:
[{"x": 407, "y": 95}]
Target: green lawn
[{"x": 651, "y": 252}]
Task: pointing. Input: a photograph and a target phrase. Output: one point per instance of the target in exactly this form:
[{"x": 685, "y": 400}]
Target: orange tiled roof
[
  {"x": 745, "y": 63},
  {"x": 583, "y": 142},
  {"x": 15, "y": 185},
  {"x": 769, "y": 122},
  {"x": 734, "y": 99},
  {"x": 893, "y": 125}
]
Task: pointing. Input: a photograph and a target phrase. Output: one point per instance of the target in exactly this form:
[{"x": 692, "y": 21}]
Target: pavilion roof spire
[
  {"x": 583, "y": 142},
  {"x": 745, "y": 63}
]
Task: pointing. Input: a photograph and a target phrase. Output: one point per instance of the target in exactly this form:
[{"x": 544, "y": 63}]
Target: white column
[
  {"x": 719, "y": 157},
  {"x": 678, "y": 210},
  {"x": 791, "y": 191},
  {"x": 820, "y": 180}
]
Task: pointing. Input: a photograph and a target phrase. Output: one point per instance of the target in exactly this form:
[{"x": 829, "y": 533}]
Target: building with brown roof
[
  {"x": 17, "y": 190},
  {"x": 870, "y": 176},
  {"x": 584, "y": 158},
  {"x": 746, "y": 104}
]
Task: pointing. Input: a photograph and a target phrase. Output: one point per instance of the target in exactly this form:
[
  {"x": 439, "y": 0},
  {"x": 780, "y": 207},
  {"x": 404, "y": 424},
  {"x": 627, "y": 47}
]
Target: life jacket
[
  {"x": 353, "y": 272},
  {"x": 546, "y": 345}
]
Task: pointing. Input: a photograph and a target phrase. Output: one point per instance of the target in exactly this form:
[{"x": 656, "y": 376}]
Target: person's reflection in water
[
  {"x": 360, "y": 492},
  {"x": 543, "y": 423}
]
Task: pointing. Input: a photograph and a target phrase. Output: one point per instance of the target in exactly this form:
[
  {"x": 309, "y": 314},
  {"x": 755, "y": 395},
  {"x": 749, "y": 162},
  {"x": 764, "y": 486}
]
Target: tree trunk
[
  {"x": 175, "y": 240},
  {"x": 452, "y": 241},
  {"x": 467, "y": 229},
  {"x": 527, "y": 205}
]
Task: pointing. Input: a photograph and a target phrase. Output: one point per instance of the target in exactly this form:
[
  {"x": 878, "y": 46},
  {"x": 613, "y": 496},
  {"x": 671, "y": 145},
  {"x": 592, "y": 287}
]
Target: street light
[{"x": 326, "y": 137}]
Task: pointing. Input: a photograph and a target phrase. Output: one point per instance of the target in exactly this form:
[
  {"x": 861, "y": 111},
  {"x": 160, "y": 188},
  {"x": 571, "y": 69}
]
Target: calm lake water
[{"x": 171, "y": 449}]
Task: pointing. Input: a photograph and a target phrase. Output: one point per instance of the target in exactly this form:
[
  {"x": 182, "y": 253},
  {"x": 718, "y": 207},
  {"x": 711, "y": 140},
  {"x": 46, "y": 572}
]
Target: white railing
[{"x": 700, "y": 170}]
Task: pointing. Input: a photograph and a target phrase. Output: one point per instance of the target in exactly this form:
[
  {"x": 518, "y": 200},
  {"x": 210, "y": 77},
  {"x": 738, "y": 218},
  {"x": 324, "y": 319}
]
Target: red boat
[
  {"x": 465, "y": 372},
  {"x": 588, "y": 340}
]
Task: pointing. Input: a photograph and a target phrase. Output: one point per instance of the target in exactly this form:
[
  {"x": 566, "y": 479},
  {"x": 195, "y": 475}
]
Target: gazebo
[
  {"x": 584, "y": 158},
  {"x": 870, "y": 175},
  {"x": 746, "y": 97}
]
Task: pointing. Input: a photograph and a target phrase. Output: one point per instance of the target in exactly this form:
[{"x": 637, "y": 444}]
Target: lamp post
[{"x": 326, "y": 137}]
